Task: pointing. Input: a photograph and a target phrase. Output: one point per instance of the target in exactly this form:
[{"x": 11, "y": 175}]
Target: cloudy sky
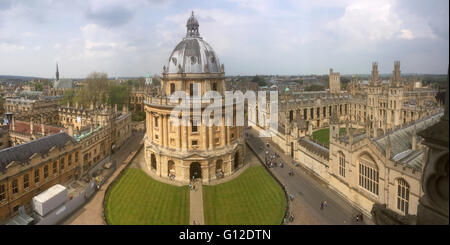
[{"x": 135, "y": 37}]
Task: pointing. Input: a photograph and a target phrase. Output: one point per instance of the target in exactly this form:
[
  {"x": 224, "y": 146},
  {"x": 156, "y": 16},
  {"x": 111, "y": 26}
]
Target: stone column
[
  {"x": 178, "y": 136},
  {"x": 204, "y": 136},
  {"x": 222, "y": 131},
  {"x": 161, "y": 139},
  {"x": 185, "y": 138},
  {"x": 166, "y": 128},
  {"x": 211, "y": 137}
]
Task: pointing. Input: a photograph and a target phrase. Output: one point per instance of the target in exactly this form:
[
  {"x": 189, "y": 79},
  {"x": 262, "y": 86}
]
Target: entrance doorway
[
  {"x": 153, "y": 162},
  {"x": 236, "y": 160},
  {"x": 195, "y": 171}
]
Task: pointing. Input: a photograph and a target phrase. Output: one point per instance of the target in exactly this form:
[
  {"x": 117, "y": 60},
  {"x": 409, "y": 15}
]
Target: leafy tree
[
  {"x": 38, "y": 87},
  {"x": 259, "y": 80},
  {"x": 138, "y": 116}
]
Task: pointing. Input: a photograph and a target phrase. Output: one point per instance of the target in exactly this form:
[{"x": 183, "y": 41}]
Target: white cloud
[{"x": 406, "y": 34}]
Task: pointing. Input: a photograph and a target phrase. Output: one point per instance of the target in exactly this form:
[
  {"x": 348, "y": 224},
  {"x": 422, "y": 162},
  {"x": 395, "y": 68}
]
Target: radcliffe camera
[{"x": 226, "y": 120}]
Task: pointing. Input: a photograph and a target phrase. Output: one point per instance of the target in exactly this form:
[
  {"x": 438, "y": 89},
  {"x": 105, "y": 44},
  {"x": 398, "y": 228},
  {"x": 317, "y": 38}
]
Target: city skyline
[{"x": 131, "y": 39}]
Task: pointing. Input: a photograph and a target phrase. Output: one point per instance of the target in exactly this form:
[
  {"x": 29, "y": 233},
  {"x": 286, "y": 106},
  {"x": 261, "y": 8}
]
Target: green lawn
[
  {"x": 323, "y": 135},
  {"x": 253, "y": 198},
  {"x": 137, "y": 199}
]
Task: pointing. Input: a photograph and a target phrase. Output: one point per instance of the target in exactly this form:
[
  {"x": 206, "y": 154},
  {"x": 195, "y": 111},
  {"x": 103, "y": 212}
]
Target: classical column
[
  {"x": 211, "y": 137},
  {"x": 166, "y": 128},
  {"x": 205, "y": 136},
  {"x": 227, "y": 129},
  {"x": 161, "y": 141},
  {"x": 222, "y": 131},
  {"x": 185, "y": 138},
  {"x": 178, "y": 135}
]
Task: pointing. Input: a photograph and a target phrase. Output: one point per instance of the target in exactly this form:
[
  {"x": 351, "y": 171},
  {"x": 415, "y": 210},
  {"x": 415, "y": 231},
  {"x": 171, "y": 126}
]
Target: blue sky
[{"x": 135, "y": 37}]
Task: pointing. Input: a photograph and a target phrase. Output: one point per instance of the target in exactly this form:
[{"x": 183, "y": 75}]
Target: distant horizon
[{"x": 283, "y": 75}]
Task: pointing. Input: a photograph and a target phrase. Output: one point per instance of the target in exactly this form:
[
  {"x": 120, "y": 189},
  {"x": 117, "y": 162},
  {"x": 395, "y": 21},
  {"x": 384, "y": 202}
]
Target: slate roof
[
  {"x": 401, "y": 142},
  {"x": 23, "y": 152},
  {"x": 316, "y": 148}
]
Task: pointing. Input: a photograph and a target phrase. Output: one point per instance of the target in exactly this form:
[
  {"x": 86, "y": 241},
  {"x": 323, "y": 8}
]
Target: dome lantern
[{"x": 192, "y": 27}]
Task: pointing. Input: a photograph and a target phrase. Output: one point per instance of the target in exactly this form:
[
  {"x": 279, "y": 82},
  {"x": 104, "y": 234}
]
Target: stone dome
[{"x": 193, "y": 54}]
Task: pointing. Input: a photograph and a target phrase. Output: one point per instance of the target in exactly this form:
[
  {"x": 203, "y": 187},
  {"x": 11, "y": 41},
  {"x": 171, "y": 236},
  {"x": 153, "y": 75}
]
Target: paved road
[
  {"x": 308, "y": 191},
  {"x": 91, "y": 213}
]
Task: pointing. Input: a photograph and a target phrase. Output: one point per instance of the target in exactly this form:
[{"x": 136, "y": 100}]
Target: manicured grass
[
  {"x": 323, "y": 135},
  {"x": 137, "y": 199},
  {"x": 253, "y": 198}
]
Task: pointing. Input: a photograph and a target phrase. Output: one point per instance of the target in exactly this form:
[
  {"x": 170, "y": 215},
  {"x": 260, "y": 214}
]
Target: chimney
[
  {"x": 31, "y": 126},
  {"x": 92, "y": 105},
  {"x": 115, "y": 108},
  {"x": 414, "y": 139},
  {"x": 125, "y": 108},
  {"x": 43, "y": 129},
  {"x": 76, "y": 104}
]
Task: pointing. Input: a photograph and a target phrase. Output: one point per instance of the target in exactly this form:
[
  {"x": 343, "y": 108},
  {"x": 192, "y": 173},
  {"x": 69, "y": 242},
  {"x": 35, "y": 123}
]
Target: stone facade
[
  {"x": 379, "y": 161},
  {"x": 27, "y": 170},
  {"x": 191, "y": 151}
]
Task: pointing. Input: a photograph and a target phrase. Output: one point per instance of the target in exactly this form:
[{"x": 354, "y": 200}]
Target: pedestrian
[
  {"x": 325, "y": 204},
  {"x": 321, "y": 205}
]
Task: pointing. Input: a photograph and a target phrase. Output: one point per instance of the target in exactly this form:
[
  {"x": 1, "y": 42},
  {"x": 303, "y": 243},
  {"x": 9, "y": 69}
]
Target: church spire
[{"x": 57, "y": 72}]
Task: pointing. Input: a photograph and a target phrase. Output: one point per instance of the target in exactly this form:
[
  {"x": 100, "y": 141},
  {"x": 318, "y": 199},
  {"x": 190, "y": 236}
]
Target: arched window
[
  {"x": 368, "y": 174},
  {"x": 341, "y": 164},
  {"x": 172, "y": 88},
  {"x": 403, "y": 196}
]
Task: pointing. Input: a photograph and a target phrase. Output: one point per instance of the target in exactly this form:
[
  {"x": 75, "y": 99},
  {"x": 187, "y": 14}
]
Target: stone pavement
[
  {"x": 92, "y": 212},
  {"x": 196, "y": 205}
]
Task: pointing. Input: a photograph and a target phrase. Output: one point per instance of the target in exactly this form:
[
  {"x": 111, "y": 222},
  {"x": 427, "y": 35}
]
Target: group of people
[
  {"x": 171, "y": 176},
  {"x": 288, "y": 217},
  {"x": 359, "y": 217},
  {"x": 192, "y": 186}
]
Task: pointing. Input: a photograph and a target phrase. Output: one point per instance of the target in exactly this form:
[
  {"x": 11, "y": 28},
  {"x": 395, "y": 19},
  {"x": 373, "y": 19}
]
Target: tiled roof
[
  {"x": 23, "y": 152},
  {"x": 24, "y": 128}
]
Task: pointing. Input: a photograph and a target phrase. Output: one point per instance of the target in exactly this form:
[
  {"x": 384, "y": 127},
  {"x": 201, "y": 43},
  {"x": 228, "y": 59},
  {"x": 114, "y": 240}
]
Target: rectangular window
[
  {"x": 172, "y": 88},
  {"x": 15, "y": 186},
  {"x": 2, "y": 192},
  {"x": 194, "y": 143},
  {"x": 45, "y": 172},
  {"x": 61, "y": 164},
  {"x": 69, "y": 160},
  {"x": 36, "y": 176},
  {"x": 26, "y": 181},
  {"x": 54, "y": 168},
  {"x": 194, "y": 128}
]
